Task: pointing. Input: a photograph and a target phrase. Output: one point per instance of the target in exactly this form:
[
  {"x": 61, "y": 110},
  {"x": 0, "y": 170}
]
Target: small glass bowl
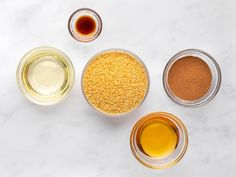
[
  {"x": 215, "y": 71},
  {"x": 114, "y": 50},
  {"x": 84, "y": 12},
  {"x": 165, "y": 162},
  {"x": 55, "y": 61}
]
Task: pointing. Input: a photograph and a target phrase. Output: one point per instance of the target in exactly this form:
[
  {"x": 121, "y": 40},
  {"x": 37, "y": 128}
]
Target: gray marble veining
[{"x": 70, "y": 139}]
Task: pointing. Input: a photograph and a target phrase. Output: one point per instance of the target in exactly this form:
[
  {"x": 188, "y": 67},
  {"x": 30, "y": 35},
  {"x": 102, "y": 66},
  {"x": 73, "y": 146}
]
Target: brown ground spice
[{"x": 189, "y": 78}]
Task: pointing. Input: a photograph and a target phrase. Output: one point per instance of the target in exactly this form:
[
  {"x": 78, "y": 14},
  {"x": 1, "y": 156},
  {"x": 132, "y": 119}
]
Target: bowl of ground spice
[
  {"x": 115, "y": 82},
  {"x": 192, "y": 78}
]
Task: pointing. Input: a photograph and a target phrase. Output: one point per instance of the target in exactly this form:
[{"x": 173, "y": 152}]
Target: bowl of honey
[{"x": 159, "y": 140}]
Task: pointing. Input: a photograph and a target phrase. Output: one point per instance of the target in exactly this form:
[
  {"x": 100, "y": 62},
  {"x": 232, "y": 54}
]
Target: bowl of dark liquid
[{"x": 85, "y": 25}]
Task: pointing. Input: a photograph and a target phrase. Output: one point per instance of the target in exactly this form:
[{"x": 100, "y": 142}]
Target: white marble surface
[{"x": 70, "y": 139}]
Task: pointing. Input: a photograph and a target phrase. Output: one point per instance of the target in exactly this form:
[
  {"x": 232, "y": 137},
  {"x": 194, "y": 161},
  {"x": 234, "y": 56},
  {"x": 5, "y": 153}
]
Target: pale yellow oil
[
  {"x": 158, "y": 138},
  {"x": 47, "y": 76}
]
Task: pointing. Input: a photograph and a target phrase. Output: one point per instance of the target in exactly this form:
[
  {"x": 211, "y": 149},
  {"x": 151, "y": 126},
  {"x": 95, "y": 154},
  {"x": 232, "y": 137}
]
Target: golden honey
[{"x": 158, "y": 138}]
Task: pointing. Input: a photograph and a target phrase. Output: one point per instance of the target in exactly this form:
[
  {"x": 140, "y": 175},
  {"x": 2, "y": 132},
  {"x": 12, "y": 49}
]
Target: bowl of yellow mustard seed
[{"x": 115, "y": 82}]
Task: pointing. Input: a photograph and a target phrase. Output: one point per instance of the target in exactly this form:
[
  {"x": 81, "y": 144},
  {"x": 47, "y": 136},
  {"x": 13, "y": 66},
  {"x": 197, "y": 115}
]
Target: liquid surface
[
  {"x": 46, "y": 76},
  {"x": 158, "y": 139},
  {"x": 189, "y": 78},
  {"x": 85, "y": 25}
]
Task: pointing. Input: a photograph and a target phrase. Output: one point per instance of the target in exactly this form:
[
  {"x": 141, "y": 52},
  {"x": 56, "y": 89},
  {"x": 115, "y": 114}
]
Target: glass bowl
[
  {"x": 215, "y": 83},
  {"x": 122, "y": 51},
  {"x": 45, "y": 75},
  {"x": 172, "y": 158},
  {"x": 84, "y": 12}
]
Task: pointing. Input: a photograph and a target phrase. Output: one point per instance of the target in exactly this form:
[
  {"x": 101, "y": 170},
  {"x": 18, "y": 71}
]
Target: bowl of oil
[
  {"x": 45, "y": 75},
  {"x": 159, "y": 140}
]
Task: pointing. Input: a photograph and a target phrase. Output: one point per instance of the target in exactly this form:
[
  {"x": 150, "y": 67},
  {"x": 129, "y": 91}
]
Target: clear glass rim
[
  {"x": 115, "y": 50},
  {"x": 206, "y": 98},
  {"x": 21, "y": 85},
  {"x": 165, "y": 165},
  {"x": 99, "y": 23}
]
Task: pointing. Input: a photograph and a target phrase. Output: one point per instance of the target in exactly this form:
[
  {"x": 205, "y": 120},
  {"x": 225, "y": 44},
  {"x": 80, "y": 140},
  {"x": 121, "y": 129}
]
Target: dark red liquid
[{"x": 85, "y": 25}]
